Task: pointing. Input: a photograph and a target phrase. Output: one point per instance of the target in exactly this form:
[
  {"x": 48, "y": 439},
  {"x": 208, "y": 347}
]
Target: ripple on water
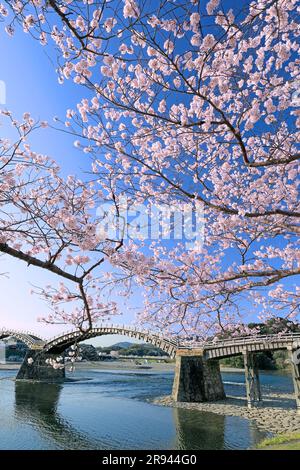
[{"x": 100, "y": 411}]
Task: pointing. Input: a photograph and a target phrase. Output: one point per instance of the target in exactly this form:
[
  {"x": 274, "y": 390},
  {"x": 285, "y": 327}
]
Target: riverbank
[
  {"x": 10, "y": 366},
  {"x": 129, "y": 364},
  {"x": 282, "y": 442},
  {"x": 125, "y": 365},
  {"x": 276, "y": 414},
  {"x": 118, "y": 365},
  {"x": 109, "y": 365}
]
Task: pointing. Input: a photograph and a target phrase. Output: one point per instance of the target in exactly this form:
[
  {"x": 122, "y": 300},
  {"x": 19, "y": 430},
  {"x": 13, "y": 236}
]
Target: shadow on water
[{"x": 36, "y": 404}]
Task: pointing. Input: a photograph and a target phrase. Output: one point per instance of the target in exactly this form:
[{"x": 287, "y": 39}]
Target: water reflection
[
  {"x": 195, "y": 429},
  {"x": 37, "y": 404},
  {"x": 110, "y": 411}
]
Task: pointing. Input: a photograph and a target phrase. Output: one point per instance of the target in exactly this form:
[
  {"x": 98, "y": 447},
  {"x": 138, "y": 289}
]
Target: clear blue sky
[{"x": 31, "y": 85}]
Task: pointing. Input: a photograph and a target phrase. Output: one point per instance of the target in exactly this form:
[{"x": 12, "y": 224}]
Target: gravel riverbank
[
  {"x": 109, "y": 365},
  {"x": 276, "y": 414},
  {"x": 118, "y": 365}
]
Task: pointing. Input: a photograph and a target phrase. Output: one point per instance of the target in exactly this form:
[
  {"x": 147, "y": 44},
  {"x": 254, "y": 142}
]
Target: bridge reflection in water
[
  {"x": 43, "y": 406},
  {"x": 214, "y": 431},
  {"x": 211, "y": 432},
  {"x": 37, "y": 403}
]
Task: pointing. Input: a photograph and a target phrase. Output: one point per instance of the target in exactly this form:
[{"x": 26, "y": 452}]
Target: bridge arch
[
  {"x": 60, "y": 343},
  {"x": 30, "y": 339}
]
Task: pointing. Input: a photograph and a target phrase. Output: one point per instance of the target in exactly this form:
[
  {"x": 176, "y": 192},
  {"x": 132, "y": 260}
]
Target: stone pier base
[
  {"x": 294, "y": 356},
  {"x": 252, "y": 381},
  {"x": 35, "y": 367},
  {"x": 197, "y": 379}
]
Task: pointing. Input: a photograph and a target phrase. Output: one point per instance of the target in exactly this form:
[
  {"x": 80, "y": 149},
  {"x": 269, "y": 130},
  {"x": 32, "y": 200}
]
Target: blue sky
[{"x": 31, "y": 85}]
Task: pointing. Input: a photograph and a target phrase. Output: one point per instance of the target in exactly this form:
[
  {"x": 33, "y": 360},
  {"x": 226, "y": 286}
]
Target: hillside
[{"x": 133, "y": 349}]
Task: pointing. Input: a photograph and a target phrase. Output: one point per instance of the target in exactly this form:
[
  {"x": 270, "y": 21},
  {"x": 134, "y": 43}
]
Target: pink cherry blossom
[{"x": 191, "y": 108}]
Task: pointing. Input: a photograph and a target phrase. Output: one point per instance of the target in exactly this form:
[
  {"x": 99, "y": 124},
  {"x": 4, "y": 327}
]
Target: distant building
[
  {"x": 106, "y": 357},
  {"x": 114, "y": 353}
]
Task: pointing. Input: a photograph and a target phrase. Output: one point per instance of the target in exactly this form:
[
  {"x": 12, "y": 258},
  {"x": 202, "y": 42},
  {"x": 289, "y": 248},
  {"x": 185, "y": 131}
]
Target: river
[{"x": 109, "y": 410}]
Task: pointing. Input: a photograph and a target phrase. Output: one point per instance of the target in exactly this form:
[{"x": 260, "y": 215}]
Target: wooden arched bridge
[
  {"x": 197, "y": 371},
  {"x": 60, "y": 343},
  {"x": 30, "y": 339}
]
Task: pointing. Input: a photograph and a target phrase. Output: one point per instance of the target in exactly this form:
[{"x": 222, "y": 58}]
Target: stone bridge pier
[
  {"x": 252, "y": 381},
  {"x": 197, "y": 379},
  {"x": 37, "y": 366},
  {"x": 294, "y": 358}
]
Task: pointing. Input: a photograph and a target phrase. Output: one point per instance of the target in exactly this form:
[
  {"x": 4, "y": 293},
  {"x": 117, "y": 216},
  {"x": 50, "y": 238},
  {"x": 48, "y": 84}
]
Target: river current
[{"x": 110, "y": 410}]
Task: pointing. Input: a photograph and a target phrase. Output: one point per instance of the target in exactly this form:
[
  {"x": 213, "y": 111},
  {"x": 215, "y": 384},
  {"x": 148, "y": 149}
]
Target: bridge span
[
  {"x": 197, "y": 370},
  {"x": 28, "y": 338},
  {"x": 61, "y": 342}
]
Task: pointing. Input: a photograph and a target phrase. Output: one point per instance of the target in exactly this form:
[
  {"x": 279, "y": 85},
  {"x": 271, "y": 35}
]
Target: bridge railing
[
  {"x": 20, "y": 332},
  {"x": 177, "y": 343},
  {"x": 288, "y": 337},
  {"x": 125, "y": 328}
]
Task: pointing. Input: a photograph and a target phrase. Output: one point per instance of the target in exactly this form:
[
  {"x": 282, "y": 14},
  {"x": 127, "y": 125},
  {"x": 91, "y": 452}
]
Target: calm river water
[{"x": 108, "y": 410}]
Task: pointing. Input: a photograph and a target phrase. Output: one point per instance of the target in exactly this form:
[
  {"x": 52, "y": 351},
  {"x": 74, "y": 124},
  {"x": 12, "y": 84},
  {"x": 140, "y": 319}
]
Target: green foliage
[
  {"x": 233, "y": 361},
  {"x": 265, "y": 360},
  {"x": 133, "y": 350},
  {"x": 281, "y": 359},
  {"x": 276, "y": 325},
  {"x": 272, "y": 326},
  {"x": 143, "y": 350},
  {"x": 282, "y": 442}
]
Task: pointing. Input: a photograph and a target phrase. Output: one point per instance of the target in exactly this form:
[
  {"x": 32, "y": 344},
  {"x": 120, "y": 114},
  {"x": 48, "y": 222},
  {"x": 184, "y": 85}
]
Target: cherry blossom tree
[
  {"x": 47, "y": 222},
  {"x": 190, "y": 102}
]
